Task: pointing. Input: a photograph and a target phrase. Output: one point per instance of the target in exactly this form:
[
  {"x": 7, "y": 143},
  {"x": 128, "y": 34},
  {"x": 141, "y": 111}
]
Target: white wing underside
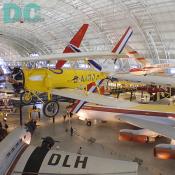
[
  {"x": 149, "y": 79},
  {"x": 93, "y": 98},
  {"x": 73, "y": 56},
  {"x": 161, "y": 126}
]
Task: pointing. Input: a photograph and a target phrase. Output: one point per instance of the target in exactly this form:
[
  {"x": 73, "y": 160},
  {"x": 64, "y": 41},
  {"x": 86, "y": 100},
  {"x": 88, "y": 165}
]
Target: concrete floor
[{"x": 106, "y": 144}]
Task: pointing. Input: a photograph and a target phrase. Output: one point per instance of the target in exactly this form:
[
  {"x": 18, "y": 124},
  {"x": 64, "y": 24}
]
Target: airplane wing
[
  {"x": 73, "y": 45},
  {"x": 93, "y": 98},
  {"x": 163, "y": 127},
  {"x": 72, "y": 56},
  {"x": 37, "y": 160},
  {"x": 160, "y": 127},
  {"x": 134, "y": 54},
  {"x": 18, "y": 158},
  {"x": 148, "y": 79}
]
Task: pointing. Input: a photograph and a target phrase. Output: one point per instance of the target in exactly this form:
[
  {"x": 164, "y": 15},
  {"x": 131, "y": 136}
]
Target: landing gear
[
  {"x": 26, "y": 98},
  {"x": 51, "y": 109},
  {"x": 89, "y": 123}
]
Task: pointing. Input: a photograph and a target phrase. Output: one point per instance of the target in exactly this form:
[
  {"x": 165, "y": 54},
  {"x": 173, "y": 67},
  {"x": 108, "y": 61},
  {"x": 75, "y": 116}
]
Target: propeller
[{"x": 17, "y": 79}]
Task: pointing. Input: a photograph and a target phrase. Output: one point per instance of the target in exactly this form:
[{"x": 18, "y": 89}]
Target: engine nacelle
[
  {"x": 135, "y": 136},
  {"x": 164, "y": 151}
]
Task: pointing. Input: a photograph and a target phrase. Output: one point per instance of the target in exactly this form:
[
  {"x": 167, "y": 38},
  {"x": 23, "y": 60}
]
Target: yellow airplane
[
  {"x": 43, "y": 80},
  {"x": 46, "y": 80}
]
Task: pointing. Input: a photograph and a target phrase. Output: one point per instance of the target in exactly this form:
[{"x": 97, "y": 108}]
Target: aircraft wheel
[
  {"x": 89, "y": 123},
  {"x": 26, "y": 98},
  {"x": 51, "y": 109}
]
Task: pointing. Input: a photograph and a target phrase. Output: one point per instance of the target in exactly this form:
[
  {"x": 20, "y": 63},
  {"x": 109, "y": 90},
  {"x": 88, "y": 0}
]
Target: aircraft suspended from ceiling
[{"x": 64, "y": 81}]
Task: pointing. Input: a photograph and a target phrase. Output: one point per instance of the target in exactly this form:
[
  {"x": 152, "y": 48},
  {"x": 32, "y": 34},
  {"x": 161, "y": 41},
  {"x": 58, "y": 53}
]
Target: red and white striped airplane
[
  {"x": 74, "y": 45},
  {"x": 92, "y": 87},
  {"x": 154, "y": 126},
  {"x": 147, "y": 68},
  {"x": 16, "y": 157}
]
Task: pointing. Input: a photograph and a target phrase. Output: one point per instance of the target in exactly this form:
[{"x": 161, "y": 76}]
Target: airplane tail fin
[
  {"x": 134, "y": 54},
  {"x": 118, "y": 47},
  {"x": 74, "y": 44},
  {"x": 123, "y": 41}
]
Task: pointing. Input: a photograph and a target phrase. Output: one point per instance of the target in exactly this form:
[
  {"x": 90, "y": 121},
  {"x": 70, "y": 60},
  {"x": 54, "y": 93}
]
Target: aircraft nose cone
[{"x": 18, "y": 77}]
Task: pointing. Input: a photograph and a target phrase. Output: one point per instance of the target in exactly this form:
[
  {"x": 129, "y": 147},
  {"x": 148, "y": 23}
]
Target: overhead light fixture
[
  {"x": 172, "y": 70},
  {"x": 34, "y": 55}
]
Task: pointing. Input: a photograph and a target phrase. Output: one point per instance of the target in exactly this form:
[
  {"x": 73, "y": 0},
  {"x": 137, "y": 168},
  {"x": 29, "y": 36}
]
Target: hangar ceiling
[{"x": 153, "y": 23}]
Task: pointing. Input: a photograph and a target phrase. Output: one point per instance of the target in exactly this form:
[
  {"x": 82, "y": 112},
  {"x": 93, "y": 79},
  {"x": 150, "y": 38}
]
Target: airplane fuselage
[
  {"x": 151, "y": 69},
  {"x": 18, "y": 158},
  {"x": 13, "y": 145},
  {"x": 43, "y": 80},
  {"x": 106, "y": 113}
]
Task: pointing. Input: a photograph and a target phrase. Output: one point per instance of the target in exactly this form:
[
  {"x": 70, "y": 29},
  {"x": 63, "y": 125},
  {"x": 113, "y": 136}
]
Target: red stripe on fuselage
[
  {"x": 16, "y": 160},
  {"x": 140, "y": 58},
  {"x": 150, "y": 67},
  {"x": 128, "y": 111},
  {"x": 133, "y": 52}
]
